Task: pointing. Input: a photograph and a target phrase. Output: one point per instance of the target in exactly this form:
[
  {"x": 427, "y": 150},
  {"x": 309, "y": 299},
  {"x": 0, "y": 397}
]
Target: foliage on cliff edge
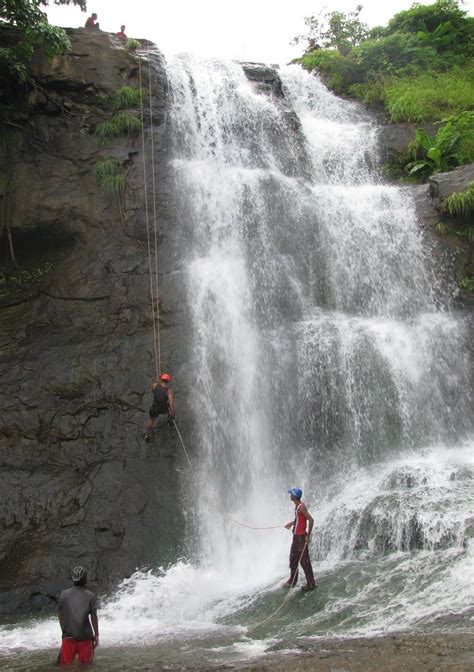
[
  {"x": 420, "y": 67},
  {"x": 31, "y": 23}
]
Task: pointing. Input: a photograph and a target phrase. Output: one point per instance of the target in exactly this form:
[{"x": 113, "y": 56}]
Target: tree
[
  {"x": 333, "y": 30},
  {"x": 33, "y": 31}
]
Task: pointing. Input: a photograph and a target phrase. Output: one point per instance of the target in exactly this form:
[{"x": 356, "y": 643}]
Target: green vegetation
[
  {"x": 109, "y": 176},
  {"x": 418, "y": 68},
  {"x": 121, "y": 124},
  {"x": 22, "y": 281},
  {"x": 467, "y": 284},
  {"x": 126, "y": 97},
  {"x": 461, "y": 204},
  {"x": 34, "y": 31},
  {"x": 132, "y": 44},
  {"x": 453, "y": 145}
]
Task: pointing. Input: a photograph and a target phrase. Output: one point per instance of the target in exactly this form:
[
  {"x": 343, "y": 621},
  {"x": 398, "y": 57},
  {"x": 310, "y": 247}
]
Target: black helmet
[{"x": 79, "y": 575}]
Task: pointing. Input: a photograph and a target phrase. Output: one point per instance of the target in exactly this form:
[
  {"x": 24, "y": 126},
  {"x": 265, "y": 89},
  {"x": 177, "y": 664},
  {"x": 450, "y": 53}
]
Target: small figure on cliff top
[
  {"x": 79, "y": 634},
  {"x": 163, "y": 403},
  {"x": 121, "y": 34},
  {"x": 92, "y": 22},
  {"x": 299, "y": 553}
]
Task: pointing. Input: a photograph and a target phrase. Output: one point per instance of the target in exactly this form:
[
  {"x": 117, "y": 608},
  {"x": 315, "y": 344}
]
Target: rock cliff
[{"x": 78, "y": 483}]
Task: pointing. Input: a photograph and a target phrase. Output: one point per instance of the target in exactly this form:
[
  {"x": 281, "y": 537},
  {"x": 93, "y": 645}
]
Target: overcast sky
[{"x": 257, "y": 30}]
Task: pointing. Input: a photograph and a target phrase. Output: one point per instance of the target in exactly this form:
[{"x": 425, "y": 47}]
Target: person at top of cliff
[
  {"x": 121, "y": 34},
  {"x": 92, "y": 21},
  {"x": 163, "y": 403},
  {"x": 79, "y": 634},
  {"x": 299, "y": 553}
]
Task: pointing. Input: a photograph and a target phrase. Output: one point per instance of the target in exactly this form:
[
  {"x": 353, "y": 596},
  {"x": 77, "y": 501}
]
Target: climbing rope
[
  {"x": 287, "y": 597},
  {"x": 155, "y": 219},
  {"x": 237, "y": 522},
  {"x": 156, "y": 330}
]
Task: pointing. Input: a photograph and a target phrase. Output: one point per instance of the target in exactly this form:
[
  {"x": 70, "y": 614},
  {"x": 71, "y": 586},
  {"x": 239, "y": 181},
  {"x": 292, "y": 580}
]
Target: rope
[
  {"x": 155, "y": 225},
  {"x": 287, "y": 597},
  {"x": 233, "y": 520},
  {"x": 145, "y": 189}
]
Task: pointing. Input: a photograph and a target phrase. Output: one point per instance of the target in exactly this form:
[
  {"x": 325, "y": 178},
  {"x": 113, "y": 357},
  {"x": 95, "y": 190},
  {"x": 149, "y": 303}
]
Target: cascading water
[{"x": 322, "y": 360}]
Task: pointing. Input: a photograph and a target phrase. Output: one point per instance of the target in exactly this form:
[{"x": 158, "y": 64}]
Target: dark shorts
[{"x": 155, "y": 411}]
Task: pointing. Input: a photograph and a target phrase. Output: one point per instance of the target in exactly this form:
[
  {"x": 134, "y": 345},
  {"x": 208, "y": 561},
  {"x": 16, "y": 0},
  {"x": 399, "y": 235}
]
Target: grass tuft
[
  {"x": 430, "y": 96},
  {"x": 461, "y": 203},
  {"x": 109, "y": 177},
  {"x": 121, "y": 124},
  {"x": 126, "y": 97}
]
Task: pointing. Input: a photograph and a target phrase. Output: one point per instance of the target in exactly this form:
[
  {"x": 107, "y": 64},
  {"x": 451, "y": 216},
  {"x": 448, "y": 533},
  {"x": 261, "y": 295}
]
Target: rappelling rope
[
  {"x": 237, "y": 522},
  {"x": 156, "y": 331},
  {"x": 287, "y": 597},
  {"x": 155, "y": 219}
]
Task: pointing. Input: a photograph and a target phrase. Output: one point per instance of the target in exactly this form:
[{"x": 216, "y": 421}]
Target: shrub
[
  {"x": 132, "y": 44},
  {"x": 122, "y": 123},
  {"x": 338, "y": 72},
  {"x": 126, "y": 97}
]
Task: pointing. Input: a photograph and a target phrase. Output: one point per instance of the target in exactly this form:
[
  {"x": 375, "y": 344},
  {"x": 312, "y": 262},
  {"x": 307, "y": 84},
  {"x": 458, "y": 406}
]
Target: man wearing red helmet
[{"x": 163, "y": 403}]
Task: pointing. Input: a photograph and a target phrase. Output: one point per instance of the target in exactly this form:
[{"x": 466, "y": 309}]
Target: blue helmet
[{"x": 296, "y": 492}]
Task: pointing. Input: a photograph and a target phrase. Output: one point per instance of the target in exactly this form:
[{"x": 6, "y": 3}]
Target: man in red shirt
[
  {"x": 92, "y": 22},
  {"x": 299, "y": 552},
  {"x": 75, "y": 606},
  {"x": 122, "y": 33},
  {"x": 163, "y": 403}
]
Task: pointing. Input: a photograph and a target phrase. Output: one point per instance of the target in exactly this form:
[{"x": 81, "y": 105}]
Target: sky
[{"x": 246, "y": 30}]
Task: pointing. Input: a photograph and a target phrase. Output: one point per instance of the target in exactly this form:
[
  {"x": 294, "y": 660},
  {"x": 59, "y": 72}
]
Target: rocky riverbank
[{"x": 394, "y": 653}]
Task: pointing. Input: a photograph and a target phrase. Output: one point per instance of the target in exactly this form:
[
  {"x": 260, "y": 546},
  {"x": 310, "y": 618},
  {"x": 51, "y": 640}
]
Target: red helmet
[{"x": 166, "y": 377}]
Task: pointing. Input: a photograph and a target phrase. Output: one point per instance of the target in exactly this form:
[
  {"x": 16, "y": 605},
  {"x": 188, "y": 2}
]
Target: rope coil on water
[{"x": 154, "y": 294}]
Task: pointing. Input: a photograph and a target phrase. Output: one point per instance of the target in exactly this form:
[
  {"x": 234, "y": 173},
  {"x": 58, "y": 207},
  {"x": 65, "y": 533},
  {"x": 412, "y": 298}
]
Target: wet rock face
[
  {"x": 452, "y": 254},
  {"x": 78, "y": 483}
]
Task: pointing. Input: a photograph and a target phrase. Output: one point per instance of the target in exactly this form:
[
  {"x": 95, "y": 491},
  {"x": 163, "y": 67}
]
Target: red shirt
[
  {"x": 300, "y": 526},
  {"x": 90, "y": 23},
  {"x": 122, "y": 35}
]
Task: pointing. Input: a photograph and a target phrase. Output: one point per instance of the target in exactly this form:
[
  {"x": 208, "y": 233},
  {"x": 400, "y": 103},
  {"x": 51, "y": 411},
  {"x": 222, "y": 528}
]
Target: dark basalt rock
[
  {"x": 266, "y": 77},
  {"x": 76, "y": 352}
]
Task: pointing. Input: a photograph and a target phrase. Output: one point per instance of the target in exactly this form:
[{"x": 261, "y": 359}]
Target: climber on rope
[
  {"x": 299, "y": 553},
  {"x": 163, "y": 403}
]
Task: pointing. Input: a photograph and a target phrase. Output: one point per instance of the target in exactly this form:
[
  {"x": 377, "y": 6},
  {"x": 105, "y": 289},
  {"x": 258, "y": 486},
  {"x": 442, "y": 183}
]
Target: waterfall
[{"x": 325, "y": 356}]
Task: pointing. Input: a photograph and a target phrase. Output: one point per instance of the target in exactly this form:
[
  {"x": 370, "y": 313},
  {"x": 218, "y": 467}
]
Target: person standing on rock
[
  {"x": 121, "y": 34},
  {"x": 299, "y": 553},
  {"x": 92, "y": 22},
  {"x": 163, "y": 403},
  {"x": 77, "y": 613}
]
